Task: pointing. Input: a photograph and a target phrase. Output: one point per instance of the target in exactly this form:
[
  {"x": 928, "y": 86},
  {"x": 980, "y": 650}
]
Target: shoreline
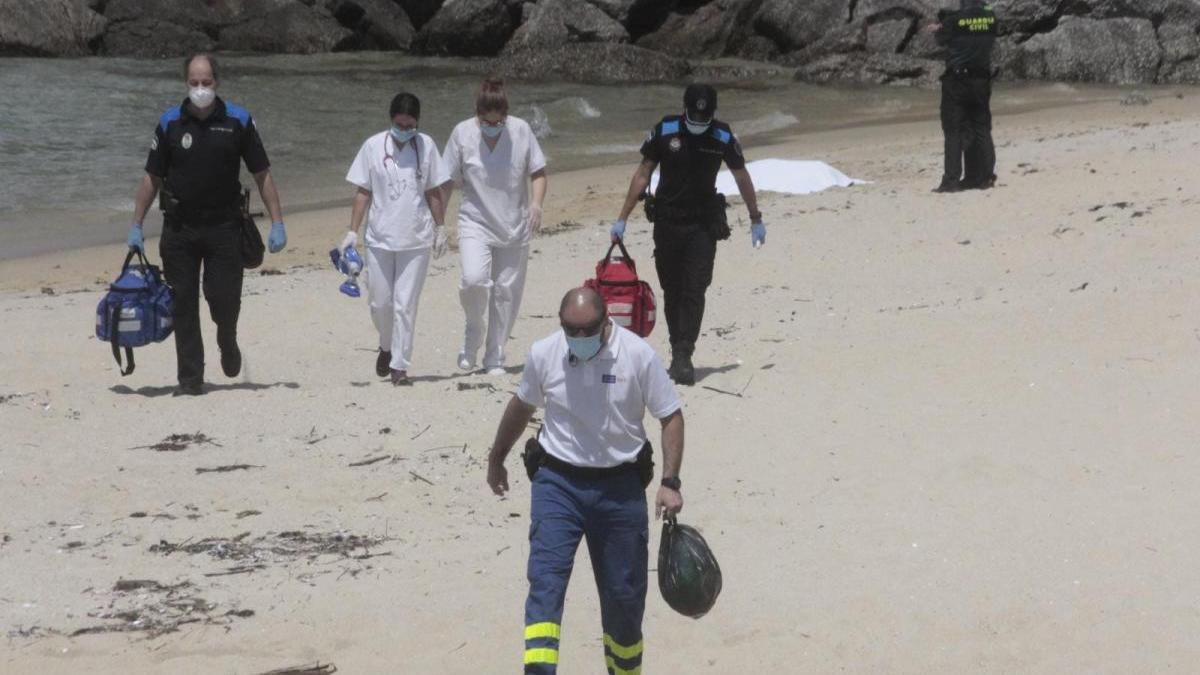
[{"x": 85, "y": 267}]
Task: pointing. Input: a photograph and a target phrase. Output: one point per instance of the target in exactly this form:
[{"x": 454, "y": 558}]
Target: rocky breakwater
[{"x": 859, "y": 41}]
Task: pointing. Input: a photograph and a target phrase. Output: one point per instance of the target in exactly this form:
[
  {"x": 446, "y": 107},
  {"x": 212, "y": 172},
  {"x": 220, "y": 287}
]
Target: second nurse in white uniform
[
  {"x": 398, "y": 173},
  {"x": 496, "y": 159}
]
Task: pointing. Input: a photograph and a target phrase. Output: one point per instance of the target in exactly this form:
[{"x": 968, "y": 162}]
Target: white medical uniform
[
  {"x": 493, "y": 228},
  {"x": 399, "y": 233},
  {"x": 594, "y": 408}
]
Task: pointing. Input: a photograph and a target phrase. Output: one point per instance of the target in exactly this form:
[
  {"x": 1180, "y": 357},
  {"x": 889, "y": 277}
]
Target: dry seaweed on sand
[
  {"x": 272, "y": 547},
  {"x": 315, "y": 669},
  {"x": 229, "y": 467},
  {"x": 178, "y": 442},
  {"x": 153, "y": 608}
]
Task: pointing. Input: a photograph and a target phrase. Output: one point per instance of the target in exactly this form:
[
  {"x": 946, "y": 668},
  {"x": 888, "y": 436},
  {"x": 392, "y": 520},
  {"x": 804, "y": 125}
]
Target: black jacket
[{"x": 969, "y": 35}]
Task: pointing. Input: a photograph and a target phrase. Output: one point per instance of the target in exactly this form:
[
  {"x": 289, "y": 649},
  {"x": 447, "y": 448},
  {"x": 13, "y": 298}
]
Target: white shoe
[
  {"x": 465, "y": 363},
  {"x": 496, "y": 371}
]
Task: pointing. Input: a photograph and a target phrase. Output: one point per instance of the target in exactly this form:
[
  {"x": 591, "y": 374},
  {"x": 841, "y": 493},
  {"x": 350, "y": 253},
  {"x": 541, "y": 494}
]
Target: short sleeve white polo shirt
[
  {"x": 495, "y": 181},
  {"x": 594, "y": 409},
  {"x": 399, "y": 218}
]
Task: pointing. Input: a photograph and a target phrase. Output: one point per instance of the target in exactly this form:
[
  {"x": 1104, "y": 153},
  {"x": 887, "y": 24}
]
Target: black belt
[
  {"x": 568, "y": 469},
  {"x": 980, "y": 73}
]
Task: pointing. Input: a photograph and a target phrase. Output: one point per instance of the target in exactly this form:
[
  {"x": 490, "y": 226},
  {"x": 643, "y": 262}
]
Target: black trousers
[
  {"x": 967, "y": 127},
  {"x": 683, "y": 255},
  {"x": 186, "y": 251}
]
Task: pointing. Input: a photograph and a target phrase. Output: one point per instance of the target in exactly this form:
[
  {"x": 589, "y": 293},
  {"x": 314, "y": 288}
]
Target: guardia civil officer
[
  {"x": 590, "y": 465},
  {"x": 193, "y": 167},
  {"x": 968, "y": 35},
  {"x": 688, "y": 212}
]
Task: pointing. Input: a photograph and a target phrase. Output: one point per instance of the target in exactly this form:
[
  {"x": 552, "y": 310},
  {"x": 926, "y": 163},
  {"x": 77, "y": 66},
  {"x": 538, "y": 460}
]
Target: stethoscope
[{"x": 396, "y": 188}]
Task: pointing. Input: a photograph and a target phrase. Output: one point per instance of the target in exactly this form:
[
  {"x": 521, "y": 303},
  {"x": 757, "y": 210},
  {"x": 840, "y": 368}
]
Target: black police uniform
[
  {"x": 969, "y": 36},
  {"x": 688, "y": 214},
  {"x": 199, "y": 163}
]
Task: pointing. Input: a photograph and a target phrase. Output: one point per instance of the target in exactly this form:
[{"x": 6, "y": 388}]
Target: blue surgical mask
[
  {"x": 402, "y": 136},
  {"x": 584, "y": 348},
  {"x": 490, "y": 131}
]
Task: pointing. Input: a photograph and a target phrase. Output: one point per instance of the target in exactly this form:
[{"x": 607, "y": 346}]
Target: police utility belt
[
  {"x": 712, "y": 215},
  {"x": 176, "y": 211},
  {"x": 535, "y": 457},
  {"x": 968, "y": 73}
]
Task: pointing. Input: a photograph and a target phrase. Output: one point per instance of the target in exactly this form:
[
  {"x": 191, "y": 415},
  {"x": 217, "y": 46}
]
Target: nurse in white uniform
[
  {"x": 497, "y": 160},
  {"x": 397, "y": 174}
]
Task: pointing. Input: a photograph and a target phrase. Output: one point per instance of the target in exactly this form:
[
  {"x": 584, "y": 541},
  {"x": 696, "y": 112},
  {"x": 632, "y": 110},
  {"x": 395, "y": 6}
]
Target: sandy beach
[{"x": 931, "y": 434}]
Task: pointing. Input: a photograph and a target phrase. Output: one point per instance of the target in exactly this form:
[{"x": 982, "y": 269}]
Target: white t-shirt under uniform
[
  {"x": 594, "y": 408},
  {"x": 399, "y": 218},
  {"x": 495, "y": 192}
]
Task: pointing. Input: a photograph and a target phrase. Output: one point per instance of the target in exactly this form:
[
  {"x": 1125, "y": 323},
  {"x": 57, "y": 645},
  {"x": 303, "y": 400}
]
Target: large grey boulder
[
  {"x": 155, "y": 29},
  {"x": 593, "y": 62},
  {"x": 865, "y": 68},
  {"x": 290, "y": 28},
  {"x": 151, "y": 38},
  {"x": 705, "y": 33},
  {"x": 467, "y": 28},
  {"x": 553, "y": 23},
  {"x": 48, "y": 27},
  {"x": 1115, "y": 51},
  {"x": 794, "y": 25},
  {"x": 377, "y": 24}
]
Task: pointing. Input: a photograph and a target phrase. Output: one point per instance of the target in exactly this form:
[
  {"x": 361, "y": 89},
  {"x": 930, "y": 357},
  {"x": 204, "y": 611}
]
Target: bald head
[{"x": 581, "y": 308}]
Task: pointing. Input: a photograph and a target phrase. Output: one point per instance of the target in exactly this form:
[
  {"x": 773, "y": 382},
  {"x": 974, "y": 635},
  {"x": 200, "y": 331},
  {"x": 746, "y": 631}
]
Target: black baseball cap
[{"x": 700, "y": 101}]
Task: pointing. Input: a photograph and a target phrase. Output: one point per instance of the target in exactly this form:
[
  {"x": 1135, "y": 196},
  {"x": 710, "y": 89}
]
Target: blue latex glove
[
  {"x": 758, "y": 234},
  {"x": 618, "y": 230},
  {"x": 135, "y": 237},
  {"x": 278, "y": 238}
]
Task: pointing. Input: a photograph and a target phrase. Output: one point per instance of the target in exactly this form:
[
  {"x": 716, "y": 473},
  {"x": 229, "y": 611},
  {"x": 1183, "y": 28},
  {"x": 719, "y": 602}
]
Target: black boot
[
  {"x": 231, "y": 361},
  {"x": 383, "y": 364},
  {"x": 948, "y": 186},
  {"x": 681, "y": 369}
]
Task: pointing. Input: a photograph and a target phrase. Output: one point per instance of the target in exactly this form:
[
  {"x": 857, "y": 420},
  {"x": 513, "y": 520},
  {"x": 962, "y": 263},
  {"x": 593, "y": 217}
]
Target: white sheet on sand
[{"x": 788, "y": 176}]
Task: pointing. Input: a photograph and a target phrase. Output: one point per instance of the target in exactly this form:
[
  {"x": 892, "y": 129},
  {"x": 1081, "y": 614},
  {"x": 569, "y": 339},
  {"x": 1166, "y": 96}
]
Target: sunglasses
[{"x": 584, "y": 331}]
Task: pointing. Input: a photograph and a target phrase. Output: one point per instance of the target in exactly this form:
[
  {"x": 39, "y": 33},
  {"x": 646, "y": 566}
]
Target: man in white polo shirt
[{"x": 590, "y": 465}]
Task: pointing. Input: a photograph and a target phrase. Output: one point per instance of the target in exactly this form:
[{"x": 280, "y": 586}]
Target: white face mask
[
  {"x": 202, "y": 97},
  {"x": 696, "y": 129}
]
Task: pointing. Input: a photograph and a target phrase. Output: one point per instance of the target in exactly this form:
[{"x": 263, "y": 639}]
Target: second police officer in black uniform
[
  {"x": 195, "y": 160},
  {"x": 688, "y": 213},
  {"x": 968, "y": 34}
]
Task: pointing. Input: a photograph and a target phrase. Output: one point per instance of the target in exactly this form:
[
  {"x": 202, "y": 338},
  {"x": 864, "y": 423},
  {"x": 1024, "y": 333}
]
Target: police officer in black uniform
[
  {"x": 968, "y": 34},
  {"x": 688, "y": 213},
  {"x": 193, "y": 166}
]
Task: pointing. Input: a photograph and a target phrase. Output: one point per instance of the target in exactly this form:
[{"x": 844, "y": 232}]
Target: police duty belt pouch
[
  {"x": 689, "y": 577},
  {"x": 718, "y": 223},
  {"x": 252, "y": 242},
  {"x": 630, "y": 301},
  {"x": 136, "y": 311}
]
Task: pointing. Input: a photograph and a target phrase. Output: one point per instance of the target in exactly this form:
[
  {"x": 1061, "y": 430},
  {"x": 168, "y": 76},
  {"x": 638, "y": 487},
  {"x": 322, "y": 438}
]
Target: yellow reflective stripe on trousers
[
  {"x": 621, "y": 651},
  {"x": 545, "y": 629},
  {"x": 616, "y": 670},
  {"x": 541, "y": 655}
]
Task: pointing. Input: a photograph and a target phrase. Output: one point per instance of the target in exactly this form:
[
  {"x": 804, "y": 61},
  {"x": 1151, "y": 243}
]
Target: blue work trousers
[{"x": 610, "y": 511}]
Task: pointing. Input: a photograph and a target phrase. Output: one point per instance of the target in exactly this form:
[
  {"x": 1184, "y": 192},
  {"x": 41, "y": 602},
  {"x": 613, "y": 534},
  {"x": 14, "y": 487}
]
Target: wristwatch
[{"x": 674, "y": 483}]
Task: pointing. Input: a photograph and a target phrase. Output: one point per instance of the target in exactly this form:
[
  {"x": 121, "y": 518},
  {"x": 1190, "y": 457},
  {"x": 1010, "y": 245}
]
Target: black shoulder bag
[{"x": 252, "y": 242}]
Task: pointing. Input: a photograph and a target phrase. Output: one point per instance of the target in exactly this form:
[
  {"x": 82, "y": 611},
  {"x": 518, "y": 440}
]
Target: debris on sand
[
  {"x": 370, "y": 461},
  {"x": 275, "y": 548},
  {"x": 153, "y": 608},
  {"x": 229, "y": 467},
  {"x": 315, "y": 669},
  {"x": 1136, "y": 98},
  {"x": 467, "y": 386},
  {"x": 178, "y": 442}
]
